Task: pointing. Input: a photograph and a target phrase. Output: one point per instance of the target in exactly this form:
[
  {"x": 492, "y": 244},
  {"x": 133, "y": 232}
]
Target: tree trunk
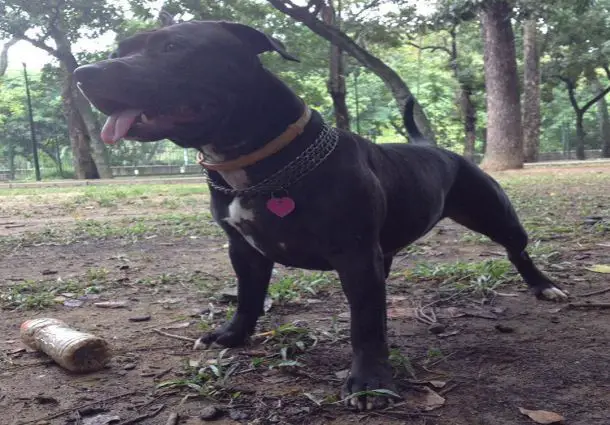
[
  {"x": 84, "y": 167},
  {"x": 4, "y": 54},
  {"x": 467, "y": 109},
  {"x": 89, "y": 122},
  {"x": 399, "y": 89},
  {"x": 505, "y": 143},
  {"x": 580, "y": 136},
  {"x": 11, "y": 160},
  {"x": 603, "y": 118},
  {"x": 336, "y": 81},
  {"x": 470, "y": 121},
  {"x": 531, "y": 92}
]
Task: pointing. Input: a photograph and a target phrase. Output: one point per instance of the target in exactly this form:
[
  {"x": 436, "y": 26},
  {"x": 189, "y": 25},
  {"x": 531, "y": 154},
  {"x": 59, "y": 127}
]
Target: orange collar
[{"x": 274, "y": 146}]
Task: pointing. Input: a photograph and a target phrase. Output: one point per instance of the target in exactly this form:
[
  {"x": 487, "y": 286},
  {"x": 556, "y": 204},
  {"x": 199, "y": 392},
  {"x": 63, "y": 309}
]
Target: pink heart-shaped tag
[{"x": 281, "y": 206}]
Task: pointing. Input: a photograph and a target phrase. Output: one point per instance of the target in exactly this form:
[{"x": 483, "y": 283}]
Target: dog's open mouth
[
  {"x": 140, "y": 125},
  {"x": 143, "y": 124}
]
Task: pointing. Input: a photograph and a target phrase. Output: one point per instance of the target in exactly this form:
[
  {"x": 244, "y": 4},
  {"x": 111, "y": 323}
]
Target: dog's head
[{"x": 180, "y": 82}]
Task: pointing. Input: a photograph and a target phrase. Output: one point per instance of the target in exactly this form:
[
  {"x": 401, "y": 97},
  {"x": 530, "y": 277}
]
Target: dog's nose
[{"x": 87, "y": 73}]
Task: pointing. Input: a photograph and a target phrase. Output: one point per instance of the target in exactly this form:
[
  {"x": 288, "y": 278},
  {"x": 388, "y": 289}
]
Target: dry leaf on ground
[
  {"x": 402, "y": 313},
  {"x": 426, "y": 400},
  {"x": 542, "y": 416},
  {"x": 599, "y": 268}
]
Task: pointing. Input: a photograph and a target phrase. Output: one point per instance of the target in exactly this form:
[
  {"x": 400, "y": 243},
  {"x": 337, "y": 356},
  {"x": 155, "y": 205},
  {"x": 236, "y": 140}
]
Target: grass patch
[
  {"x": 36, "y": 295},
  {"x": 168, "y": 224},
  {"x": 112, "y": 192},
  {"x": 292, "y": 287},
  {"x": 473, "y": 277}
]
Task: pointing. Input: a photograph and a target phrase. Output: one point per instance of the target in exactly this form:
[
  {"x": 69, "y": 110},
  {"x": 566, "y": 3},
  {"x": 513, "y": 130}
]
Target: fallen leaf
[
  {"x": 448, "y": 334},
  {"x": 392, "y": 299},
  {"x": 342, "y": 374},
  {"x": 542, "y": 416},
  {"x": 599, "y": 268},
  {"x": 401, "y": 312},
  {"x": 111, "y": 304},
  {"x": 427, "y": 400},
  {"x": 449, "y": 313},
  {"x": 169, "y": 301},
  {"x": 142, "y": 318},
  {"x": 73, "y": 303},
  {"x": 101, "y": 420},
  {"x": 438, "y": 384},
  {"x": 181, "y": 325}
]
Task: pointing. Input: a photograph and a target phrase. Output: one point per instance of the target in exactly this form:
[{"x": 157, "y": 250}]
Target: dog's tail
[{"x": 415, "y": 136}]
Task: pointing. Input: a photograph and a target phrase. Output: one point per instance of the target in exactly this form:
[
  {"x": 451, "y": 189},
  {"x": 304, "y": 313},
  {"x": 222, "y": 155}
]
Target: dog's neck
[{"x": 271, "y": 108}]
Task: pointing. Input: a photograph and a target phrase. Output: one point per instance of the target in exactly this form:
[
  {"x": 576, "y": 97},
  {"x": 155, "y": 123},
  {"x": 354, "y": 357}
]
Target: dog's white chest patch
[{"x": 238, "y": 214}]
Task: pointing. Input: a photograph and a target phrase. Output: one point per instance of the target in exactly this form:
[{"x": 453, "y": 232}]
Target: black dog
[{"x": 287, "y": 188}]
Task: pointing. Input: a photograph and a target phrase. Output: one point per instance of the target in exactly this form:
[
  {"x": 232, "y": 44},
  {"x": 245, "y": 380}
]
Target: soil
[{"x": 496, "y": 352}]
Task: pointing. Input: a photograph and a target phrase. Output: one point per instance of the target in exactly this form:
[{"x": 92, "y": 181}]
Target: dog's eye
[{"x": 169, "y": 47}]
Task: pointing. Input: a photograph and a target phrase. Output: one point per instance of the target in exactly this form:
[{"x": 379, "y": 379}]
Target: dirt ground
[{"x": 470, "y": 345}]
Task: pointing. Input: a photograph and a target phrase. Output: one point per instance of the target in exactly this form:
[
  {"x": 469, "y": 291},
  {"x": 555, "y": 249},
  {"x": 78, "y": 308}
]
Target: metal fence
[
  {"x": 127, "y": 159},
  {"x": 159, "y": 159}
]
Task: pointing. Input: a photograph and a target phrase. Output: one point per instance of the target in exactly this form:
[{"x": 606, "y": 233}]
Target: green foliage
[
  {"x": 71, "y": 17},
  {"x": 387, "y": 28},
  {"x": 15, "y": 144}
]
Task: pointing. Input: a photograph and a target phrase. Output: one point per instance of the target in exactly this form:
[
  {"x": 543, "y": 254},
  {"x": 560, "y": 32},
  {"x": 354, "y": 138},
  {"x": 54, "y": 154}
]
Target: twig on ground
[
  {"x": 503, "y": 294},
  {"x": 601, "y": 306},
  {"x": 445, "y": 390},
  {"x": 590, "y": 294},
  {"x": 172, "y": 419},
  {"x": 14, "y": 226},
  {"x": 178, "y": 337},
  {"x": 440, "y": 300},
  {"x": 73, "y": 409}
]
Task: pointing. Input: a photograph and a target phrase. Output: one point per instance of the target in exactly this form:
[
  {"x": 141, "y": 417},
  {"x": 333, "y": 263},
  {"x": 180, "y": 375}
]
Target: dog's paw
[
  {"x": 227, "y": 336},
  {"x": 369, "y": 388},
  {"x": 553, "y": 293}
]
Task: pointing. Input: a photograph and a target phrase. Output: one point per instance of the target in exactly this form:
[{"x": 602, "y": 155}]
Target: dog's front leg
[
  {"x": 362, "y": 276},
  {"x": 253, "y": 272}
]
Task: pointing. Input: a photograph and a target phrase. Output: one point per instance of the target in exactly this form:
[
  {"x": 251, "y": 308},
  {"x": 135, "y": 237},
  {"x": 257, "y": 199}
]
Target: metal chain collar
[{"x": 307, "y": 161}]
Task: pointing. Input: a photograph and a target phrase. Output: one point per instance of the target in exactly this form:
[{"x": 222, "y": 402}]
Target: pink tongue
[{"x": 117, "y": 125}]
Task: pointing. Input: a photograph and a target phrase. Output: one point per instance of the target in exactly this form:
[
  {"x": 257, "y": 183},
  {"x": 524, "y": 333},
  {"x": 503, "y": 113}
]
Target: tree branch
[
  {"x": 570, "y": 86},
  {"x": 39, "y": 44},
  {"x": 433, "y": 48},
  {"x": 399, "y": 89},
  {"x": 607, "y": 69},
  {"x": 595, "y": 99},
  {"x": 4, "y": 54}
]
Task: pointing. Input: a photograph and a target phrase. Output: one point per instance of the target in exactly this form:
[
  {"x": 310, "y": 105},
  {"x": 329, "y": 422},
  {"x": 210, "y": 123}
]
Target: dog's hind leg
[
  {"x": 478, "y": 202},
  {"x": 253, "y": 272}
]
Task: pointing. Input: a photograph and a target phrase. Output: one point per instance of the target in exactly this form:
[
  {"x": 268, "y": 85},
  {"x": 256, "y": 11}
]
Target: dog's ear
[
  {"x": 165, "y": 19},
  {"x": 257, "y": 40}
]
